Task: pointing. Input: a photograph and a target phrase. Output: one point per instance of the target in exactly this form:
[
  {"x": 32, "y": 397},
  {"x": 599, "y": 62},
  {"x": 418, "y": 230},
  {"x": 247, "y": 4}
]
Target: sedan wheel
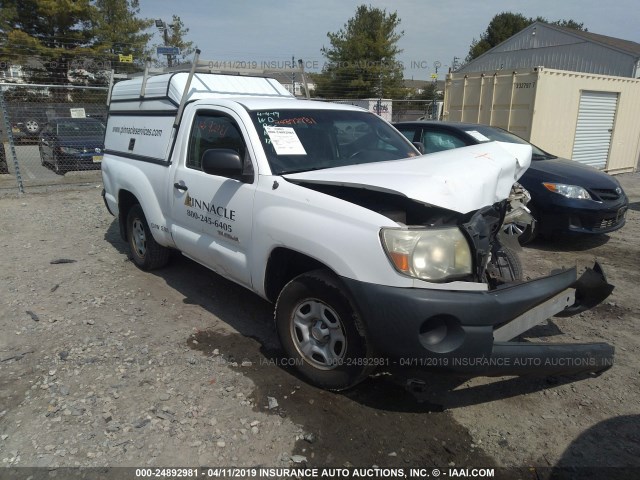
[
  {"x": 56, "y": 165},
  {"x": 32, "y": 126}
]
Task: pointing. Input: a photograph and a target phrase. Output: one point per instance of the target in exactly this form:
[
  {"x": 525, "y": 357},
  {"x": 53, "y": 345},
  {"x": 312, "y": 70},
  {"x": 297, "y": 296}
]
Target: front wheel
[
  {"x": 524, "y": 232},
  {"x": 57, "y": 167},
  {"x": 146, "y": 253},
  {"x": 321, "y": 330},
  {"x": 504, "y": 267}
]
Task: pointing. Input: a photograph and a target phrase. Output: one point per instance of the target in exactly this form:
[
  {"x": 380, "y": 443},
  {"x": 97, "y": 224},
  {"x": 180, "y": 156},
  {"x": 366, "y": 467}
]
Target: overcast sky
[{"x": 273, "y": 31}]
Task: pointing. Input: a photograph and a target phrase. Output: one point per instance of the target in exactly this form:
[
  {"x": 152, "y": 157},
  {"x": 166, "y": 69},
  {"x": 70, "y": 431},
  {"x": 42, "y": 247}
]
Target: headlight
[
  {"x": 70, "y": 150},
  {"x": 569, "y": 191},
  {"x": 430, "y": 254}
]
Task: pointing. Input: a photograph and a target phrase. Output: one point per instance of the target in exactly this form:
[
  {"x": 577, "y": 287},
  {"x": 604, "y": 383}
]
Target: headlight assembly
[
  {"x": 435, "y": 254},
  {"x": 569, "y": 191}
]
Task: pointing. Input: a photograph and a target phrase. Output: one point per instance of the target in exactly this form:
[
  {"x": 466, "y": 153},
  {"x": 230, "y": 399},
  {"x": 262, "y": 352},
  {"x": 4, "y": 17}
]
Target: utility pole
[
  {"x": 166, "y": 42},
  {"x": 434, "y": 107},
  {"x": 162, "y": 26},
  {"x": 379, "y": 109},
  {"x": 293, "y": 75}
]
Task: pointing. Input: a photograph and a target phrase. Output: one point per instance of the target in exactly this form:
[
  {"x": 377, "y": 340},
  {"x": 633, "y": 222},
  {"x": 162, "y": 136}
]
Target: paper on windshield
[
  {"x": 285, "y": 141},
  {"x": 478, "y": 136}
]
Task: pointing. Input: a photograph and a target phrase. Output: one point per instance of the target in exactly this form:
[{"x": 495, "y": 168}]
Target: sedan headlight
[
  {"x": 435, "y": 254},
  {"x": 569, "y": 191}
]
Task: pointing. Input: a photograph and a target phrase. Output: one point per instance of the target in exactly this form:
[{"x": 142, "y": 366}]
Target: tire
[
  {"x": 146, "y": 253},
  {"x": 32, "y": 126},
  {"x": 505, "y": 266},
  {"x": 321, "y": 330},
  {"x": 56, "y": 165}
]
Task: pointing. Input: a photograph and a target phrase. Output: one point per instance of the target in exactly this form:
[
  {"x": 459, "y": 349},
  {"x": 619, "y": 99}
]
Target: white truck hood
[{"x": 462, "y": 179}]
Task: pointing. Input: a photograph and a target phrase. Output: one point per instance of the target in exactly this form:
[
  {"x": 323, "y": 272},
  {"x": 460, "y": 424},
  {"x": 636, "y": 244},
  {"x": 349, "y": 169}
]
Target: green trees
[
  {"x": 176, "y": 36},
  {"x": 361, "y": 61},
  {"x": 119, "y": 31},
  {"x": 77, "y": 41},
  {"x": 505, "y": 25},
  {"x": 46, "y": 36}
]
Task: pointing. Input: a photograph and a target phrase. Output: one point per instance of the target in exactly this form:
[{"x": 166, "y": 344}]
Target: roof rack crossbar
[{"x": 187, "y": 86}]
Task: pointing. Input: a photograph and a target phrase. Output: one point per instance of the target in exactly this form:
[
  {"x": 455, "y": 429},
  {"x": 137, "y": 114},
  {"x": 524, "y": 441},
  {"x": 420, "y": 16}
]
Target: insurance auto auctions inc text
[{"x": 372, "y": 472}]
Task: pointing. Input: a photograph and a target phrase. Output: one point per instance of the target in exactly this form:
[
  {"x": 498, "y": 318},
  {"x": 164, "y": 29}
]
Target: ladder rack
[{"x": 210, "y": 66}]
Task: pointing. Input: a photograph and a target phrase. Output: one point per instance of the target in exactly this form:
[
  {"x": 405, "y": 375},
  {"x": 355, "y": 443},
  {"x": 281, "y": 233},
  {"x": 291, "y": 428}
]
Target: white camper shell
[{"x": 165, "y": 92}]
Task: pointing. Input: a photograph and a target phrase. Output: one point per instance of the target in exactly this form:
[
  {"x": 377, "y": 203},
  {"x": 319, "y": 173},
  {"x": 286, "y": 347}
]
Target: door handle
[{"x": 180, "y": 186}]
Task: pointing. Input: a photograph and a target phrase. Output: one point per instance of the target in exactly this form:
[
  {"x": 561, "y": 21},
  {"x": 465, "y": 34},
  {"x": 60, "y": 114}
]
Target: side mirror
[
  {"x": 419, "y": 146},
  {"x": 223, "y": 162}
]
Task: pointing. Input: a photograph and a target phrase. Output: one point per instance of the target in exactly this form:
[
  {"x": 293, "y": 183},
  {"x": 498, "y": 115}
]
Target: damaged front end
[
  {"x": 473, "y": 330},
  {"x": 470, "y": 326},
  {"x": 561, "y": 294},
  {"x": 574, "y": 295},
  {"x": 518, "y": 307}
]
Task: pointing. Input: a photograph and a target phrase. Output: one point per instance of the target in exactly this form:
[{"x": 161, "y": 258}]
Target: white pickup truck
[{"x": 372, "y": 253}]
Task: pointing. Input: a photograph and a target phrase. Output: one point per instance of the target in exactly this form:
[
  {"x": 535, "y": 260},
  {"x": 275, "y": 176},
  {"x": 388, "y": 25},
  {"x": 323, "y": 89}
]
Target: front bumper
[
  {"x": 82, "y": 161},
  {"x": 603, "y": 218},
  {"x": 469, "y": 331}
]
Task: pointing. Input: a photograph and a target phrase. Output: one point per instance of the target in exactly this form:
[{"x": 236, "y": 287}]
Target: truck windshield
[{"x": 303, "y": 140}]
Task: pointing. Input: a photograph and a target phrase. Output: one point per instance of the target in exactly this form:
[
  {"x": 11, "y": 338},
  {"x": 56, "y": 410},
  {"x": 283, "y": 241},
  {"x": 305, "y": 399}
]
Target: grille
[
  {"x": 605, "y": 223},
  {"x": 608, "y": 222},
  {"x": 606, "y": 194}
]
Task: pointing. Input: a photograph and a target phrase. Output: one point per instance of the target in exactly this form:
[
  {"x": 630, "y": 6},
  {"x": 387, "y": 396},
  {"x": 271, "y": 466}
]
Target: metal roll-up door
[{"x": 596, "y": 115}]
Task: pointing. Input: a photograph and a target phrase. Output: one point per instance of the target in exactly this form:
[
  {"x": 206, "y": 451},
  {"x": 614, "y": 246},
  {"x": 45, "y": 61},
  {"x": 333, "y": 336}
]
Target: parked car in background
[
  {"x": 4, "y": 168},
  {"x": 26, "y": 123},
  {"x": 566, "y": 196},
  {"x": 72, "y": 144}
]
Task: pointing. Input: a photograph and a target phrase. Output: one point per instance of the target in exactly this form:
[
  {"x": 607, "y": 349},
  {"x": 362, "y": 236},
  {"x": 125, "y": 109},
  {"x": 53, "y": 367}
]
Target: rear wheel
[
  {"x": 321, "y": 330},
  {"x": 146, "y": 253},
  {"x": 32, "y": 126}
]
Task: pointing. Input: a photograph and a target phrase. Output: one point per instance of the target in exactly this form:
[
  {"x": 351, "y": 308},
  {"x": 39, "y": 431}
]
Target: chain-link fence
[
  {"x": 397, "y": 110},
  {"x": 50, "y": 134}
]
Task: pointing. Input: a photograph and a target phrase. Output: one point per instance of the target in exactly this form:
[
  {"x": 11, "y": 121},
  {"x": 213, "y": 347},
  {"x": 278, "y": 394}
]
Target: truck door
[{"x": 212, "y": 215}]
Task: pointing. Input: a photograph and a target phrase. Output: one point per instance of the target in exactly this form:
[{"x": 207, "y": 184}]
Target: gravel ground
[{"x": 102, "y": 364}]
